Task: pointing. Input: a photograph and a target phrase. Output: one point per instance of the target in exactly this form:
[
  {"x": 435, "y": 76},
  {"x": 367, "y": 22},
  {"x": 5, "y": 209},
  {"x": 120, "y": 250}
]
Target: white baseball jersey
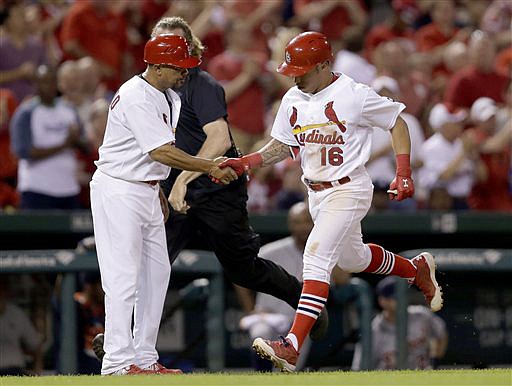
[
  {"x": 333, "y": 127},
  {"x": 139, "y": 121}
]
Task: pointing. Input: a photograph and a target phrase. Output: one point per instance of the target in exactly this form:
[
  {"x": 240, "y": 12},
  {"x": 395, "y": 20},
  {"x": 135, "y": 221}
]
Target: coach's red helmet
[
  {"x": 171, "y": 50},
  {"x": 303, "y": 52}
]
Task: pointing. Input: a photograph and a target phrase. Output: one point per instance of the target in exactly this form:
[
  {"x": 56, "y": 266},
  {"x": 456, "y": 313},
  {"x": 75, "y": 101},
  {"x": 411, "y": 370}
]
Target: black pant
[{"x": 221, "y": 219}]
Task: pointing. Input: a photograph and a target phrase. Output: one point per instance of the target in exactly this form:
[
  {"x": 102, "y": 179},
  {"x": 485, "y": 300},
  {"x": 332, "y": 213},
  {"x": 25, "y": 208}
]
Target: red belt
[
  {"x": 152, "y": 183},
  {"x": 318, "y": 186}
]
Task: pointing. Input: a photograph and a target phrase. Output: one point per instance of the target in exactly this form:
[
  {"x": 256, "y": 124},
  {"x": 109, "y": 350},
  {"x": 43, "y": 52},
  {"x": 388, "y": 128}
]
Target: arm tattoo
[{"x": 273, "y": 152}]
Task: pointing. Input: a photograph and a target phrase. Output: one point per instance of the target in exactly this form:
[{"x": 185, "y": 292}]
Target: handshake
[{"x": 226, "y": 168}]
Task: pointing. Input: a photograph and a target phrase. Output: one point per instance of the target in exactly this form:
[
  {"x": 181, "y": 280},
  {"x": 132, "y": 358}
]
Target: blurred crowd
[{"x": 449, "y": 61}]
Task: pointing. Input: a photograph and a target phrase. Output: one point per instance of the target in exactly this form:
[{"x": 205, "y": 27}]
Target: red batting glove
[
  {"x": 240, "y": 165},
  {"x": 402, "y": 182}
]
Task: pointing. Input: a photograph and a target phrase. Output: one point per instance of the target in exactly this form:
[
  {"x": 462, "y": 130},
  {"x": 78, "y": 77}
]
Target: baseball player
[
  {"x": 138, "y": 151},
  {"x": 328, "y": 119},
  {"x": 427, "y": 338},
  {"x": 217, "y": 213}
]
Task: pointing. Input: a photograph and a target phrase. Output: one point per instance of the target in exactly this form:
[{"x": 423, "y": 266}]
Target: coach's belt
[
  {"x": 152, "y": 183},
  {"x": 318, "y": 186}
]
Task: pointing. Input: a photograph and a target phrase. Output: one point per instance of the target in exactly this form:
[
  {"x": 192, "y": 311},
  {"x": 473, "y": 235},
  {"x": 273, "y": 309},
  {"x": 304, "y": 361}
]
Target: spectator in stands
[
  {"x": 44, "y": 132},
  {"x": 18, "y": 336},
  {"x": 350, "y": 61},
  {"x": 21, "y": 53},
  {"x": 8, "y": 163},
  {"x": 395, "y": 27},
  {"x": 71, "y": 85},
  {"x": 496, "y": 21},
  {"x": 427, "y": 337},
  {"x": 439, "y": 199},
  {"x": 450, "y": 158},
  {"x": 390, "y": 59},
  {"x": 260, "y": 17},
  {"x": 92, "y": 28},
  {"x": 331, "y": 17},
  {"x": 239, "y": 70},
  {"x": 277, "y": 46},
  {"x": 92, "y": 87},
  {"x": 455, "y": 57},
  {"x": 95, "y": 130},
  {"x": 479, "y": 78},
  {"x": 91, "y": 321},
  {"x": 435, "y": 37},
  {"x": 492, "y": 193}
]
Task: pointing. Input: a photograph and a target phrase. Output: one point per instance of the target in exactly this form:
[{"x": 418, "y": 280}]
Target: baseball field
[{"x": 502, "y": 377}]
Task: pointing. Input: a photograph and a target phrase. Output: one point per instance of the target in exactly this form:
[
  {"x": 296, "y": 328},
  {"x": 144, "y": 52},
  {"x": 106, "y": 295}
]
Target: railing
[
  {"x": 488, "y": 315},
  {"x": 69, "y": 262}
]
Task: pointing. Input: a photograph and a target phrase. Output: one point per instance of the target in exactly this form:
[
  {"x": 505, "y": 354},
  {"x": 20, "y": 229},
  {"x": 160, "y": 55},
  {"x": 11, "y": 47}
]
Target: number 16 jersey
[{"x": 332, "y": 128}]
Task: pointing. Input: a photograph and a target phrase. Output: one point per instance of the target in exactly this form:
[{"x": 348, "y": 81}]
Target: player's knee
[{"x": 314, "y": 272}]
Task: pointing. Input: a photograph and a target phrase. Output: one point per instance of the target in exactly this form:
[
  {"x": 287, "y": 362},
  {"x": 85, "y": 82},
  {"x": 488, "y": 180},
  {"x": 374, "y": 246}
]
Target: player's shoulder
[
  {"x": 346, "y": 81},
  {"x": 203, "y": 78},
  {"x": 135, "y": 90},
  {"x": 293, "y": 95}
]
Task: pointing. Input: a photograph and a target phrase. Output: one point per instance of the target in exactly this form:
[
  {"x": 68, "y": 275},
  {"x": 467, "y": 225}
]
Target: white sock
[{"x": 293, "y": 339}]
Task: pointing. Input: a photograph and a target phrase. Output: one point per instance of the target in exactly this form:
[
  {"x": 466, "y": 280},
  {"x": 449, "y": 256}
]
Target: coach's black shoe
[
  {"x": 320, "y": 327},
  {"x": 97, "y": 346}
]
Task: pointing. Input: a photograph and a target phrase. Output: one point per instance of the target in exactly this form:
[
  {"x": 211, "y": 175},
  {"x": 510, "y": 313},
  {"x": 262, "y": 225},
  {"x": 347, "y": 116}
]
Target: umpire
[{"x": 218, "y": 213}]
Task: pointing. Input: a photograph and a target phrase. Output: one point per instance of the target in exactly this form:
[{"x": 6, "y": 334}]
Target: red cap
[
  {"x": 171, "y": 50},
  {"x": 303, "y": 52}
]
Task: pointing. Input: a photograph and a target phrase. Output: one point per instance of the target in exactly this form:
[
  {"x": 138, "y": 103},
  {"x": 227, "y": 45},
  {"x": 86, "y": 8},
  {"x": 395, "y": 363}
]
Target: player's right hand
[
  {"x": 404, "y": 187},
  {"x": 224, "y": 175},
  {"x": 237, "y": 164}
]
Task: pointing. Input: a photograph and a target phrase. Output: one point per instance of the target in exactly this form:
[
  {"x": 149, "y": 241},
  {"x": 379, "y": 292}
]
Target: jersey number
[
  {"x": 114, "y": 102},
  {"x": 333, "y": 156}
]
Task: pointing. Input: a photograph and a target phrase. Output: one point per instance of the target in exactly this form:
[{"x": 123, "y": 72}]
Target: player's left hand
[
  {"x": 401, "y": 187},
  {"x": 164, "y": 205}
]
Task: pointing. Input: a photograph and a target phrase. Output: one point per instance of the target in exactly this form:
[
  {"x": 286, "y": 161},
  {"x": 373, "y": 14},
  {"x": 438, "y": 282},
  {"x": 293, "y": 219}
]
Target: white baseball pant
[
  {"x": 134, "y": 265},
  {"x": 336, "y": 236}
]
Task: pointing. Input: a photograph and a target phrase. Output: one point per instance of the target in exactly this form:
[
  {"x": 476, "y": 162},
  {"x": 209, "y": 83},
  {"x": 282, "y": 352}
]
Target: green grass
[{"x": 502, "y": 377}]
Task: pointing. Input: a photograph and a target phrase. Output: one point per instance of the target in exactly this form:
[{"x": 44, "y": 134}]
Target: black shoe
[
  {"x": 320, "y": 327},
  {"x": 97, "y": 346}
]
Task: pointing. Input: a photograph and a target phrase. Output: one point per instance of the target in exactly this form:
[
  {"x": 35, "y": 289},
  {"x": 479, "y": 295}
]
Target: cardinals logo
[
  {"x": 331, "y": 115},
  {"x": 293, "y": 117}
]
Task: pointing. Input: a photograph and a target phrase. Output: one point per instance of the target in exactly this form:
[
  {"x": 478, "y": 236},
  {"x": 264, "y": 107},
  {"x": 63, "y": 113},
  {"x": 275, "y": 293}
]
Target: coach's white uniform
[
  {"x": 128, "y": 221},
  {"x": 333, "y": 131}
]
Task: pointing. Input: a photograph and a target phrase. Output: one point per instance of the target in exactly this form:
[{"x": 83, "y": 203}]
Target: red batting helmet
[
  {"x": 303, "y": 52},
  {"x": 171, "y": 50}
]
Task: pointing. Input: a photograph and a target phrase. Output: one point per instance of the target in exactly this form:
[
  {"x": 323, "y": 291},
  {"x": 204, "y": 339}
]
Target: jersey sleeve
[
  {"x": 379, "y": 111},
  {"x": 208, "y": 101},
  {"x": 281, "y": 129},
  {"x": 149, "y": 130}
]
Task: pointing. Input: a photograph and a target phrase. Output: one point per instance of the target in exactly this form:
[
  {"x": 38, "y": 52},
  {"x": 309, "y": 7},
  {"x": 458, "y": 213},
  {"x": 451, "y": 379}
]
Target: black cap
[{"x": 386, "y": 287}]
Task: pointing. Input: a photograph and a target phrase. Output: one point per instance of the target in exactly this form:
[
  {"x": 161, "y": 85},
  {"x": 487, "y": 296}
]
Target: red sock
[
  {"x": 387, "y": 263},
  {"x": 312, "y": 301}
]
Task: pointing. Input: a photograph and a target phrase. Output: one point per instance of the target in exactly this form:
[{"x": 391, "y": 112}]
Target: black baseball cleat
[
  {"x": 320, "y": 327},
  {"x": 97, "y": 346}
]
